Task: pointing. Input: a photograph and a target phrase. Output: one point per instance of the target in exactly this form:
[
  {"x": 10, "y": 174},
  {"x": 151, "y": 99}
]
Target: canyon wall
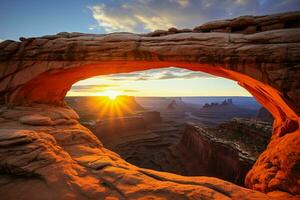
[
  {"x": 37, "y": 142},
  {"x": 216, "y": 157}
]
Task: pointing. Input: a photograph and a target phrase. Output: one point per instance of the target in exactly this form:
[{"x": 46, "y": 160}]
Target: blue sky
[
  {"x": 28, "y": 18},
  {"x": 40, "y": 17}
]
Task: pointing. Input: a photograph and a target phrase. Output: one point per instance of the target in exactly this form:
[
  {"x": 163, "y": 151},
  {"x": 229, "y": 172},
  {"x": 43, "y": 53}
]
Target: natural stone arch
[
  {"x": 42, "y": 70},
  {"x": 51, "y": 86}
]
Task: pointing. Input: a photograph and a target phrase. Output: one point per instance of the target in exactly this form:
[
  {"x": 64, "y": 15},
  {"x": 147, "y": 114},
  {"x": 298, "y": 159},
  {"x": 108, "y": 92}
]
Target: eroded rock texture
[
  {"x": 68, "y": 162},
  {"x": 44, "y": 151}
]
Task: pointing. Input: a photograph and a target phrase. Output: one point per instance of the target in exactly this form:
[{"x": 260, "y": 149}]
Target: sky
[
  {"x": 28, "y": 18},
  {"x": 170, "y": 82}
]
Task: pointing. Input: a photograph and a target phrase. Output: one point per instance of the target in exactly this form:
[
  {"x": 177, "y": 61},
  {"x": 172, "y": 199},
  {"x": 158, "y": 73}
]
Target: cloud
[
  {"x": 182, "y": 3},
  {"x": 92, "y": 88},
  {"x": 1, "y": 40},
  {"x": 130, "y": 91},
  {"x": 93, "y": 27},
  {"x": 154, "y": 23},
  {"x": 112, "y": 19},
  {"x": 158, "y": 74},
  {"x": 129, "y": 17},
  {"x": 189, "y": 75},
  {"x": 149, "y": 15}
]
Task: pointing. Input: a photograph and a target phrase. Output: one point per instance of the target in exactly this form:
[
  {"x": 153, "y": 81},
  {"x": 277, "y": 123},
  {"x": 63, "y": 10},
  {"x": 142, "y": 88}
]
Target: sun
[{"x": 111, "y": 94}]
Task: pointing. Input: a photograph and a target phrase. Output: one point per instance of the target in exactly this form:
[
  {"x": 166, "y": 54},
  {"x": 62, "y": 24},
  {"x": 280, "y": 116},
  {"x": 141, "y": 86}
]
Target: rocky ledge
[
  {"x": 66, "y": 161},
  {"x": 243, "y": 24}
]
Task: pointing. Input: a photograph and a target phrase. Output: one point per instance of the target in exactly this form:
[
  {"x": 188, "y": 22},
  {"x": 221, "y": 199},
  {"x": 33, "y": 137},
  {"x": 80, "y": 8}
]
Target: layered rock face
[
  {"x": 64, "y": 160},
  {"x": 190, "y": 152},
  {"x": 213, "y": 156},
  {"x": 243, "y": 24}
]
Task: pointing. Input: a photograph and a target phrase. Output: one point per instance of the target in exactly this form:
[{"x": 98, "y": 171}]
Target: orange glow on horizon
[
  {"x": 114, "y": 105},
  {"x": 111, "y": 94}
]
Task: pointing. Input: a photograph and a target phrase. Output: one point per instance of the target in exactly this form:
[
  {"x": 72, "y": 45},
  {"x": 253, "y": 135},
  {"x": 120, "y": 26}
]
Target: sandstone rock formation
[
  {"x": 44, "y": 149},
  {"x": 252, "y": 24},
  {"x": 69, "y": 162}
]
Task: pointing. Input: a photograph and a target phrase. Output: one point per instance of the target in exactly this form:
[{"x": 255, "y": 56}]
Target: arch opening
[{"x": 172, "y": 134}]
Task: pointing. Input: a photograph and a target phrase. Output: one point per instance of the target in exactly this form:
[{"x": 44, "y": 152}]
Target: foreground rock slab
[{"x": 67, "y": 161}]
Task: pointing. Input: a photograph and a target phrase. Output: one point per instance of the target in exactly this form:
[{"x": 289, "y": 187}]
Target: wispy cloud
[
  {"x": 157, "y": 74},
  {"x": 119, "y": 81},
  {"x": 182, "y": 3},
  {"x": 149, "y": 15},
  {"x": 93, "y": 88},
  {"x": 130, "y": 91},
  {"x": 113, "y": 19},
  {"x": 101, "y": 88}
]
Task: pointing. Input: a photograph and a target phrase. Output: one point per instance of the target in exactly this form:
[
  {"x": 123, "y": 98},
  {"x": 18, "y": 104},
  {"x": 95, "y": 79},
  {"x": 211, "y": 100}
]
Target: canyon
[
  {"x": 46, "y": 153},
  {"x": 165, "y": 139}
]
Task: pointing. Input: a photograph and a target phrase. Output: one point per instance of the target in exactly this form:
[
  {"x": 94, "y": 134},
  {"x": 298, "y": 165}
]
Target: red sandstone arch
[
  {"x": 42, "y": 70},
  {"x": 51, "y": 87}
]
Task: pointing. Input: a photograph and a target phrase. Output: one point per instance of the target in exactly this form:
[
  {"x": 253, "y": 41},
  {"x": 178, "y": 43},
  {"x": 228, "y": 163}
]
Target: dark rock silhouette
[
  {"x": 172, "y": 105},
  {"x": 224, "y": 103},
  {"x": 150, "y": 116},
  {"x": 264, "y": 115},
  {"x": 217, "y": 113}
]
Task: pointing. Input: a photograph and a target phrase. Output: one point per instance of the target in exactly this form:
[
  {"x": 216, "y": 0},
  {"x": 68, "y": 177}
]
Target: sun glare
[{"x": 111, "y": 94}]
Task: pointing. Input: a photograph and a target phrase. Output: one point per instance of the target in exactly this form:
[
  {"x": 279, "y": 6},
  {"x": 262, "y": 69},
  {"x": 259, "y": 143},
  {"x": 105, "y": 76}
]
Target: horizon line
[{"x": 153, "y": 96}]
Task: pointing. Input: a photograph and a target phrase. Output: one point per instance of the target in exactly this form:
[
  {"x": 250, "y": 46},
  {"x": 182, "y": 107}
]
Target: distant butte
[{"x": 45, "y": 153}]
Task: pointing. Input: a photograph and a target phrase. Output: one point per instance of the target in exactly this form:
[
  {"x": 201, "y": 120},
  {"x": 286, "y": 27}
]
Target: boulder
[
  {"x": 242, "y": 22},
  {"x": 213, "y": 25},
  {"x": 37, "y": 120}
]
